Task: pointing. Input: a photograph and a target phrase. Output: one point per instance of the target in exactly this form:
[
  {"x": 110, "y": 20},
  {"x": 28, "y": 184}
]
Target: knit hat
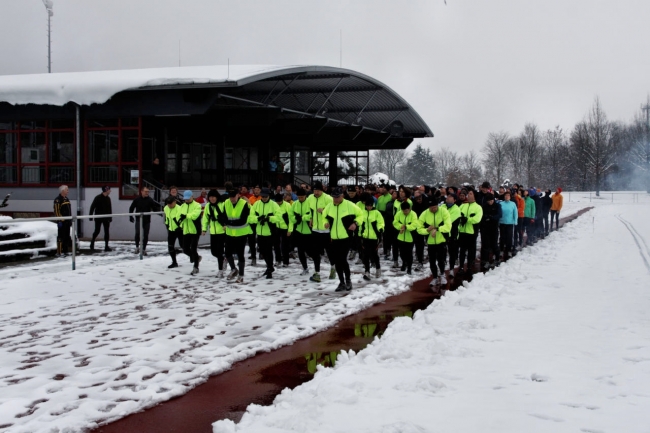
[
  {"x": 213, "y": 193},
  {"x": 232, "y": 193},
  {"x": 265, "y": 192},
  {"x": 301, "y": 192},
  {"x": 405, "y": 205},
  {"x": 369, "y": 201},
  {"x": 187, "y": 195},
  {"x": 278, "y": 197},
  {"x": 106, "y": 188},
  {"x": 433, "y": 201},
  {"x": 489, "y": 196},
  {"x": 559, "y": 189},
  {"x": 532, "y": 192},
  {"x": 336, "y": 191},
  {"x": 318, "y": 186}
]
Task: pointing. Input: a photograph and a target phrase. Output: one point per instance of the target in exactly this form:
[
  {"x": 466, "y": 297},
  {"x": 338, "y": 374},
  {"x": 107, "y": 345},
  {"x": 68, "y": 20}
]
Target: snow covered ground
[
  {"x": 36, "y": 231},
  {"x": 555, "y": 340},
  {"x": 119, "y": 334}
]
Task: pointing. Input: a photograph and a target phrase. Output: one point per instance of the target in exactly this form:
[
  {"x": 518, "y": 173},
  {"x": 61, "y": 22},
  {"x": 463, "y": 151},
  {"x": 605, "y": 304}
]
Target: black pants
[
  {"x": 98, "y": 226},
  {"x": 545, "y": 221},
  {"x": 339, "y": 250},
  {"x": 217, "y": 243},
  {"x": 539, "y": 226},
  {"x": 467, "y": 246},
  {"x": 506, "y": 236},
  {"x": 282, "y": 246},
  {"x": 266, "y": 244},
  {"x": 452, "y": 246},
  {"x": 419, "y": 240},
  {"x": 555, "y": 214},
  {"x": 236, "y": 245},
  {"x": 489, "y": 241},
  {"x": 322, "y": 242},
  {"x": 171, "y": 240},
  {"x": 437, "y": 256},
  {"x": 252, "y": 240},
  {"x": 406, "y": 253},
  {"x": 370, "y": 253},
  {"x": 64, "y": 241},
  {"x": 303, "y": 242},
  {"x": 519, "y": 231},
  {"x": 388, "y": 238},
  {"x": 530, "y": 229},
  {"x": 146, "y": 224},
  {"x": 190, "y": 247}
]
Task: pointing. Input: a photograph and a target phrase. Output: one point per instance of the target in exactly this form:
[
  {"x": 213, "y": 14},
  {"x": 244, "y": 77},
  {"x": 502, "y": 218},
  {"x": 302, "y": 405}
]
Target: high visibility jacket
[
  {"x": 529, "y": 211},
  {"x": 318, "y": 220},
  {"x": 397, "y": 206},
  {"x": 441, "y": 220},
  {"x": 192, "y": 212},
  {"x": 301, "y": 217},
  {"x": 269, "y": 211},
  {"x": 285, "y": 216},
  {"x": 172, "y": 217},
  {"x": 454, "y": 215},
  {"x": 454, "y": 212},
  {"x": 372, "y": 225},
  {"x": 411, "y": 223},
  {"x": 382, "y": 200},
  {"x": 213, "y": 216},
  {"x": 473, "y": 212},
  {"x": 238, "y": 218},
  {"x": 340, "y": 217}
]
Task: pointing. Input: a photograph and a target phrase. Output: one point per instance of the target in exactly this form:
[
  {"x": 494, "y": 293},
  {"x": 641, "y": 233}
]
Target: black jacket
[
  {"x": 491, "y": 214},
  {"x": 547, "y": 202},
  {"x": 101, "y": 206},
  {"x": 144, "y": 204},
  {"x": 62, "y": 207}
]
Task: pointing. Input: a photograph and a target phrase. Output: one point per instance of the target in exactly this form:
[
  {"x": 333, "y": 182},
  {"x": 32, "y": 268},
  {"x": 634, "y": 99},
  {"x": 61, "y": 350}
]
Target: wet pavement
[{"x": 261, "y": 378}]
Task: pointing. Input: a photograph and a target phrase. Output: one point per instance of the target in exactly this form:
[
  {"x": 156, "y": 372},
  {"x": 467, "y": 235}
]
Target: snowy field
[
  {"x": 119, "y": 335},
  {"x": 555, "y": 340}
]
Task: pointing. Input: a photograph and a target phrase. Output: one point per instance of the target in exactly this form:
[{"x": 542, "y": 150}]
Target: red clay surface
[{"x": 259, "y": 379}]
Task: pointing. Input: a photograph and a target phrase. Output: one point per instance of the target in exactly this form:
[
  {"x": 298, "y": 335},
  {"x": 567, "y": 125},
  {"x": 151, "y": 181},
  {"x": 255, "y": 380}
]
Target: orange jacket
[
  {"x": 521, "y": 206},
  {"x": 557, "y": 202}
]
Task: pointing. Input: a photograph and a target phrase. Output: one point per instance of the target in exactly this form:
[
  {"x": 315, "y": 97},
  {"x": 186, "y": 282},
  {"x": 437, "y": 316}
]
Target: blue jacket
[{"x": 508, "y": 212}]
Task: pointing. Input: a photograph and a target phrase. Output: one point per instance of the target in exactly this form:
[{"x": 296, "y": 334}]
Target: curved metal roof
[{"x": 340, "y": 96}]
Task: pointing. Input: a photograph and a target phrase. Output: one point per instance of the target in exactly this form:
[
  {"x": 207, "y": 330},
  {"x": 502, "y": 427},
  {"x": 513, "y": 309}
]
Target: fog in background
[{"x": 468, "y": 67}]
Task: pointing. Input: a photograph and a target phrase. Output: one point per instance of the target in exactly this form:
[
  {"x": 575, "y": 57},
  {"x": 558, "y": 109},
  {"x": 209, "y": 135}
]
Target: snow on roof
[{"x": 97, "y": 87}]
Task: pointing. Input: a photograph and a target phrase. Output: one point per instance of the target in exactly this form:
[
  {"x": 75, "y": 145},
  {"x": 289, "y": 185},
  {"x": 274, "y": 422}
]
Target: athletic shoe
[
  {"x": 395, "y": 265},
  {"x": 285, "y": 265},
  {"x": 333, "y": 273},
  {"x": 239, "y": 280},
  {"x": 173, "y": 265},
  {"x": 253, "y": 261},
  {"x": 315, "y": 278},
  {"x": 194, "y": 271},
  {"x": 434, "y": 282},
  {"x": 359, "y": 261},
  {"x": 348, "y": 286},
  {"x": 418, "y": 267},
  {"x": 408, "y": 272},
  {"x": 304, "y": 272},
  {"x": 443, "y": 280},
  {"x": 144, "y": 252},
  {"x": 341, "y": 288},
  {"x": 352, "y": 255},
  {"x": 278, "y": 264},
  {"x": 378, "y": 273},
  {"x": 269, "y": 275},
  {"x": 137, "y": 251},
  {"x": 92, "y": 246},
  {"x": 366, "y": 276},
  {"x": 220, "y": 274},
  {"x": 108, "y": 249},
  {"x": 233, "y": 274},
  {"x": 451, "y": 273}
]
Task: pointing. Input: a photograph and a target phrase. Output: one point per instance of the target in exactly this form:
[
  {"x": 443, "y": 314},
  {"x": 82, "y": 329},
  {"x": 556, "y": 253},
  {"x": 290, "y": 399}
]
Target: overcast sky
[{"x": 468, "y": 67}]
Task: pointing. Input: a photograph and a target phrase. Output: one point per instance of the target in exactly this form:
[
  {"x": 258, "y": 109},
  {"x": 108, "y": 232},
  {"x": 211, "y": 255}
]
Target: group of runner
[{"x": 339, "y": 223}]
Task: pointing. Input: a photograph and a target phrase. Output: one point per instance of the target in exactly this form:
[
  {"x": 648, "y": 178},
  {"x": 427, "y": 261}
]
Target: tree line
[{"x": 597, "y": 154}]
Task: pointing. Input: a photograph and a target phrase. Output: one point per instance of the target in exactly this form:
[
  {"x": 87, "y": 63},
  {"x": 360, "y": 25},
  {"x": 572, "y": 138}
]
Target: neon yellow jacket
[
  {"x": 301, "y": 211},
  {"x": 238, "y": 218},
  {"x": 284, "y": 219},
  {"x": 318, "y": 220},
  {"x": 270, "y": 211},
  {"x": 211, "y": 214},
  {"x": 171, "y": 217},
  {"x": 441, "y": 220},
  {"x": 372, "y": 224},
  {"x": 411, "y": 223},
  {"x": 192, "y": 213},
  {"x": 340, "y": 217},
  {"x": 474, "y": 213}
]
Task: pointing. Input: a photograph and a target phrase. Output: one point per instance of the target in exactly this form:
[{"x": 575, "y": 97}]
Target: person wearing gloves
[
  {"x": 370, "y": 232},
  {"x": 490, "y": 231},
  {"x": 237, "y": 224},
  {"x": 284, "y": 225},
  {"x": 265, "y": 214},
  {"x": 317, "y": 202},
  {"x": 529, "y": 215},
  {"x": 190, "y": 222},
  {"x": 213, "y": 219},
  {"x": 556, "y": 207},
  {"x": 507, "y": 223},
  {"x": 342, "y": 219},
  {"x": 101, "y": 205},
  {"x": 403, "y": 194},
  {"x": 142, "y": 203},
  {"x": 435, "y": 225},
  {"x": 452, "y": 241},
  {"x": 405, "y": 222},
  {"x": 300, "y": 231},
  {"x": 470, "y": 213},
  {"x": 172, "y": 214}
]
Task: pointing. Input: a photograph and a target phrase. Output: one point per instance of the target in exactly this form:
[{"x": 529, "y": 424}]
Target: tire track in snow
[{"x": 637, "y": 236}]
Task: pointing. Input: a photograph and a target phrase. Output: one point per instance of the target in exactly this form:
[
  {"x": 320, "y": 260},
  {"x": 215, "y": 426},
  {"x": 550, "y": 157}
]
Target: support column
[
  {"x": 79, "y": 231},
  {"x": 333, "y": 168}
]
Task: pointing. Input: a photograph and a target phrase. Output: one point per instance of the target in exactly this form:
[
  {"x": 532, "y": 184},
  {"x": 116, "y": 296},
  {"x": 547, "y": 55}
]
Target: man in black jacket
[
  {"x": 143, "y": 203},
  {"x": 490, "y": 230},
  {"x": 420, "y": 204},
  {"x": 102, "y": 206},
  {"x": 547, "y": 202},
  {"x": 62, "y": 208}
]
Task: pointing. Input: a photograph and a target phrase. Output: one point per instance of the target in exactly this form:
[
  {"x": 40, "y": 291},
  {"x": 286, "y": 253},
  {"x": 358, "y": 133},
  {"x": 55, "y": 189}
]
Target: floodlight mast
[{"x": 50, "y": 13}]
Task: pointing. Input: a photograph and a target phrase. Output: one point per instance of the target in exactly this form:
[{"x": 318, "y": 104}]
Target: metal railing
[
  {"x": 621, "y": 196},
  {"x": 74, "y": 220}
]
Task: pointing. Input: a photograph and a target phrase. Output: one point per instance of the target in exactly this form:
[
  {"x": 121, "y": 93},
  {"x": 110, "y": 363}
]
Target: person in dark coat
[
  {"x": 547, "y": 202},
  {"x": 143, "y": 203},
  {"x": 490, "y": 230},
  {"x": 62, "y": 208},
  {"x": 420, "y": 204},
  {"x": 102, "y": 206}
]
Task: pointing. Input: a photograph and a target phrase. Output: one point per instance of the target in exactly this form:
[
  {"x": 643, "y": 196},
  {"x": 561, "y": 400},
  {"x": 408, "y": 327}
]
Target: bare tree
[
  {"x": 495, "y": 155},
  {"x": 529, "y": 141},
  {"x": 448, "y": 163},
  {"x": 515, "y": 160},
  {"x": 638, "y": 143},
  {"x": 602, "y": 145},
  {"x": 555, "y": 156},
  {"x": 387, "y": 161},
  {"x": 471, "y": 167}
]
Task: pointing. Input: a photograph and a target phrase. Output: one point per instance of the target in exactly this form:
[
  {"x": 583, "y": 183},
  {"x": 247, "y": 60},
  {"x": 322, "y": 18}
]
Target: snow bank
[
  {"x": 35, "y": 231},
  {"x": 556, "y": 339}
]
